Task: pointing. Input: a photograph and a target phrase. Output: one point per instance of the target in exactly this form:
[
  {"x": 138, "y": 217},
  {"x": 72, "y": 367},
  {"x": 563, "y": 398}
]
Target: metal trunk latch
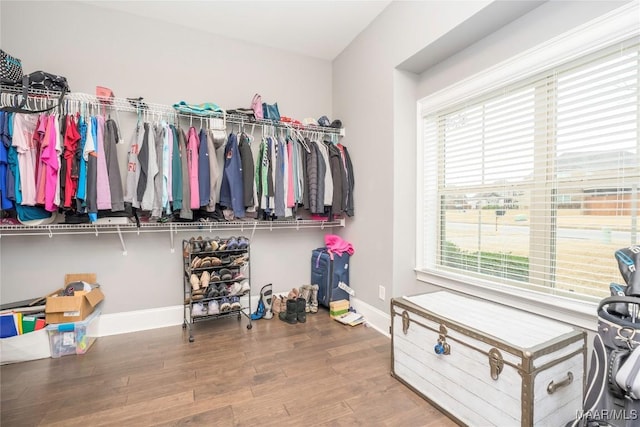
[
  {"x": 442, "y": 347},
  {"x": 405, "y": 322},
  {"x": 496, "y": 363}
]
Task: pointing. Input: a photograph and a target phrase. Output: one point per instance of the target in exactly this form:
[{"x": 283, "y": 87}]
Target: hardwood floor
[{"x": 318, "y": 373}]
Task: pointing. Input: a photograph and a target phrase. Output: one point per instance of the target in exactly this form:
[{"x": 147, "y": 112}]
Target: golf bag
[{"x": 612, "y": 395}]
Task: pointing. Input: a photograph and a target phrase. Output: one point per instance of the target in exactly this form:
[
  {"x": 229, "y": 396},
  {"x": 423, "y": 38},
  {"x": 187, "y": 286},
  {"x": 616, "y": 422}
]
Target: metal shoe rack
[{"x": 197, "y": 261}]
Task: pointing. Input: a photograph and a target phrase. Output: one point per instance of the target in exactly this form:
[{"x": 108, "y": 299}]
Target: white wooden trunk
[{"x": 536, "y": 352}]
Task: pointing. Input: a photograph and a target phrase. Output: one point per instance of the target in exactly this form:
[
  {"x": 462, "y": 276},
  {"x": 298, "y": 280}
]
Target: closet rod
[{"x": 122, "y": 104}]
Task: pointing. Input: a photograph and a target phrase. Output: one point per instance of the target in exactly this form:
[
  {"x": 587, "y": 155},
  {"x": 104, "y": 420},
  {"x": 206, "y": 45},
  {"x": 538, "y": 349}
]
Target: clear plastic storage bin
[{"x": 71, "y": 338}]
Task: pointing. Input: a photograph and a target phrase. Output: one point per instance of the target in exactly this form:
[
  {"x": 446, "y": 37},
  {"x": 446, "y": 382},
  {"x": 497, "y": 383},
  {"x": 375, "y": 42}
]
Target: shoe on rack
[
  {"x": 206, "y": 262},
  {"x": 195, "y": 282},
  {"x": 222, "y": 289},
  {"x": 232, "y": 244},
  {"x": 214, "y": 277},
  {"x": 235, "y": 303},
  {"x": 235, "y": 288},
  {"x": 225, "y": 274},
  {"x": 238, "y": 276},
  {"x": 212, "y": 292},
  {"x": 243, "y": 242},
  {"x": 205, "y": 278},
  {"x": 195, "y": 263},
  {"x": 198, "y": 310},
  {"x": 225, "y": 305},
  {"x": 195, "y": 245},
  {"x": 245, "y": 288},
  {"x": 214, "y": 307},
  {"x": 240, "y": 260}
]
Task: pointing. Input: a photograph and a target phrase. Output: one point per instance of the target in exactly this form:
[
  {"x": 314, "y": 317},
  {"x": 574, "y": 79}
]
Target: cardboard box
[
  {"x": 338, "y": 308},
  {"x": 66, "y": 309}
]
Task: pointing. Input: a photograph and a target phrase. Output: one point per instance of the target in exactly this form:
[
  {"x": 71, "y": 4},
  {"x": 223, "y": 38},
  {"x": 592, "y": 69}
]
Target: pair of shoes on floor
[
  {"x": 305, "y": 293},
  {"x": 278, "y": 305},
  {"x": 294, "y": 312}
]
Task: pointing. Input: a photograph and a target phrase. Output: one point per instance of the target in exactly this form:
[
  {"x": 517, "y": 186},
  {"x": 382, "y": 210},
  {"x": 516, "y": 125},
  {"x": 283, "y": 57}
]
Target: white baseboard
[
  {"x": 375, "y": 318},
  {"x": 142, "y": 320},
  {"x": 139, "y": 320}
]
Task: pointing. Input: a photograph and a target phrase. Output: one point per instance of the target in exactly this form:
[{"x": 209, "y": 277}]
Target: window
[{"x": 535, "y": 184}]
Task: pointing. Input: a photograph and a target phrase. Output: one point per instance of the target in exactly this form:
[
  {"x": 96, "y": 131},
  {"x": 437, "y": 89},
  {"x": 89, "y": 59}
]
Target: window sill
[{"x": 579, "y": 314}]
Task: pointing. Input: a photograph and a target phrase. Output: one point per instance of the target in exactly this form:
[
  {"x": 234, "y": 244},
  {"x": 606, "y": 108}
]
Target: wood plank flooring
[{"x": 319, "y": 373}]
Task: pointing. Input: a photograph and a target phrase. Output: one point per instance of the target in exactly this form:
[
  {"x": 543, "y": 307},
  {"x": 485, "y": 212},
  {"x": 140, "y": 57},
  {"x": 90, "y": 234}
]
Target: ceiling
[{"x": 317, "y": 28}]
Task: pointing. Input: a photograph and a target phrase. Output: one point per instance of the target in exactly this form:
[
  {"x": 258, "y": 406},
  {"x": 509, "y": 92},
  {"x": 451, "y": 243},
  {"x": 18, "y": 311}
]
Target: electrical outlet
[{"x": 381, "y": 292}]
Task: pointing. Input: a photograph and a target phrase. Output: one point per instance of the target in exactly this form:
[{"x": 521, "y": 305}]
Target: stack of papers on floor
[{"x": 351, "y": 318}]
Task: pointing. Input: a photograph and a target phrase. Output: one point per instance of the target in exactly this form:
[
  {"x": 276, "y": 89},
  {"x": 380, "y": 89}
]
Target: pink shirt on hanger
[
  {"x": 192, "y": 163},
  {"x": 51, "y": 164},
  {"x": 41, "y": 140}
]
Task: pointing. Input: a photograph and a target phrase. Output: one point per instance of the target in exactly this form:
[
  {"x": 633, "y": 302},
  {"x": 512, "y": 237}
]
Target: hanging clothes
[
  {"x": 14, "y": 169},
  {"x": 338, "y": 175},
  {"x": 350, "y": 176},
  {"x": 291, "y": 175},
  {"x": 214, "y": 170},
  {"x": 90, "y": 156},
  {"x": 280, "y": 154},
  {"x": 81, "y": 194},
  {"x": 143, "y": 161},
  {"x": 185, "y": 212},
  {"x": 246, "y": 157},
  {"x": 111, "y": 133},
  {"x": 5, "y": 202},
  {"x": 328, "y": 180},
  {"x": 133, "y": 167},
  {"x": 104, "y": 189},
  {"x": 260, "y": 175},
  {"x": 70, "y": 163},
  {"x": 168, "y": 166},
  {"x": 24, "y": 125},
  {"x": 193, "y": 161},
  {"x": 156, "y": 204},
  {"x": 204, "y": 169},
  {"x": 176, "y": 170},
  {"x": 146, "y": 204},
  {"x": 232, "y": 190},
  {"x": 41, "y": 140}
]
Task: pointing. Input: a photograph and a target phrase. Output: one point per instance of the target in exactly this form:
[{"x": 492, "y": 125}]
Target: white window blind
[{"x": 535, "y": 184}]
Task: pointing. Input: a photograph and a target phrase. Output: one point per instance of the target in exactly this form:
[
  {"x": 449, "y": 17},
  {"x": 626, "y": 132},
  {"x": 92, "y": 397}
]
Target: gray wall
[
  {"x": 164, "y": 64},
  {"x": 372, "y": 87},
  {"x": 377, "y": 83}
]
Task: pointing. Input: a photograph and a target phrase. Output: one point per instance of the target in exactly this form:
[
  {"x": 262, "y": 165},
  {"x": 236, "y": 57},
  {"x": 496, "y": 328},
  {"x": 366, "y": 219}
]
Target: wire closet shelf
[{"x": 77, "y": 101}]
